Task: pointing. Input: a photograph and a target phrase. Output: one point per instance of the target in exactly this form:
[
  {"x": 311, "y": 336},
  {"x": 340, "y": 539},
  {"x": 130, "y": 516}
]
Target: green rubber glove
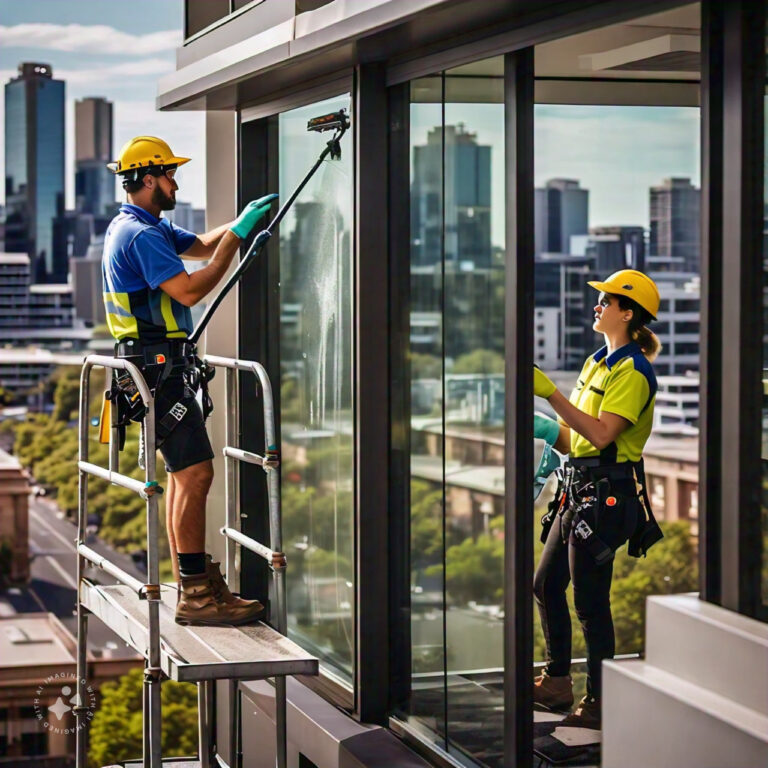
[
  {"x": 545, "y": 428},
  {"x": 251, "y": 215},
  {"x": 543, "y": 386}
]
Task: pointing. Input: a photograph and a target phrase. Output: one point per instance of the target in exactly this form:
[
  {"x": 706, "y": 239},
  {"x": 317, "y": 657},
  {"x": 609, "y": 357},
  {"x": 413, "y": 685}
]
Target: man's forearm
[
  {"x": 202, "y": 282},
  {"x": 211, "y": 239}
]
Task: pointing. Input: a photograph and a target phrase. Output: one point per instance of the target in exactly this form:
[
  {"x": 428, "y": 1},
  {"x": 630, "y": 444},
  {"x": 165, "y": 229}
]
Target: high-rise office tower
[
  {"x": 614, "y": 248},
  {"x": 34, "y": 168},
  {"x": 94, "y": 182},
  {"x": 675, "y": 222},
  {"x": 561, "y": 210},
  {"x": 461, "y": 170}
]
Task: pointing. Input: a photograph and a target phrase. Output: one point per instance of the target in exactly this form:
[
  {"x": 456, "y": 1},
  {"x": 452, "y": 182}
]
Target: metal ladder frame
[{"x": 151, "y": 703}]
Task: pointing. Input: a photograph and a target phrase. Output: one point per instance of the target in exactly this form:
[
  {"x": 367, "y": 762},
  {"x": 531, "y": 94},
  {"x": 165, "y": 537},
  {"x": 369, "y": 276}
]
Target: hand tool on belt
[
  {"x": 584, "y": 484},
  {"x": 157, "y": 363}
]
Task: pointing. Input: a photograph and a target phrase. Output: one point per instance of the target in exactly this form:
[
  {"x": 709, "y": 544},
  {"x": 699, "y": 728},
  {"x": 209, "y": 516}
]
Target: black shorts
[{"x": 187, "y": 443}]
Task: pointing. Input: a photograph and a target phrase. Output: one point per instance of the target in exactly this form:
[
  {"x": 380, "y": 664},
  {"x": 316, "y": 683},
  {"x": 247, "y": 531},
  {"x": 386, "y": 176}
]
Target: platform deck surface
[{"x": 249, "y": 652}]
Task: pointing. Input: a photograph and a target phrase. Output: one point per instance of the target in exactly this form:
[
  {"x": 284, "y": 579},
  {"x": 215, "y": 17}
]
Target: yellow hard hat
[
  {"x": 143, "y": 151},
  {"x": 633, "y": 284}
]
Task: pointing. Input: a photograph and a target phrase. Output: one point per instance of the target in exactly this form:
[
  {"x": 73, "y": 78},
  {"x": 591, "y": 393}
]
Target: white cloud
[
  {"x": 184, "y": 131},
  {"x": 151, "y": 67},
  {"x": 96, "y": 38}
]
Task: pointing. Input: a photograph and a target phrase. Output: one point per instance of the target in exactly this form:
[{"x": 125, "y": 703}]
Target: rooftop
[
  {"x": 35, "y": 639},
  {"x": 39, "y": 356},
  {"x": 51, "y": 288},
  {"x": 14, "y": 258}
]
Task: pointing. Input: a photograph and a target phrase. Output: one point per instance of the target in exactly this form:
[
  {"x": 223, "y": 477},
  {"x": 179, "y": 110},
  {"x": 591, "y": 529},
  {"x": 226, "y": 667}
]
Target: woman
[{"x": 601, "y": 501}]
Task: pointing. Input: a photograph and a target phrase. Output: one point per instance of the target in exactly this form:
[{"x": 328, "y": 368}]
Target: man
[{"x": 147, "y": 294}]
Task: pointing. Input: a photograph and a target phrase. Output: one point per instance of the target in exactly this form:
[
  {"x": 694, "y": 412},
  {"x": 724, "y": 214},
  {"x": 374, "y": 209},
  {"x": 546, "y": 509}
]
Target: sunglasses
[{"x": 169, "y": 173}]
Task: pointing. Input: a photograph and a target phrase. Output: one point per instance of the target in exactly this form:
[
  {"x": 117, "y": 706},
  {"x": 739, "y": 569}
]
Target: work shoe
[
  {"x": 553, "y": 692},
  {"x": 587, "y": 715},
  {"x": 221, "y": 590},
  {"x": 198, "y": 605}
]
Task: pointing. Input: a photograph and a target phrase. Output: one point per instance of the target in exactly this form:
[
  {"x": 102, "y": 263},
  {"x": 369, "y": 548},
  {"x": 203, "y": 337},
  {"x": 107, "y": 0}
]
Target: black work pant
[{"x": 560, "y": 564}]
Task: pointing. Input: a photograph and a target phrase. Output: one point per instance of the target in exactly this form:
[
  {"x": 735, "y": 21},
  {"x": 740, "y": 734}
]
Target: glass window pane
[
  {"x": 473, "y": 309},
  {"x": 426, "y": 358},
  {"x": 201, "y": 13},
  {"x": 617, "y": 187},
  {"x": 457, "y": 408},
  {"x": 316, "y": 400}
]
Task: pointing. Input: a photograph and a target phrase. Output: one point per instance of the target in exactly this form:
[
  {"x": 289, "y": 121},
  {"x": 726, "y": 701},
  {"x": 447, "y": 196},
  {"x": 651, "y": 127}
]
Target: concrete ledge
[
  {"x": 710, "y": 647},
  {"x": 652, "y": 719},
  {"x": 318, "y": 731}
]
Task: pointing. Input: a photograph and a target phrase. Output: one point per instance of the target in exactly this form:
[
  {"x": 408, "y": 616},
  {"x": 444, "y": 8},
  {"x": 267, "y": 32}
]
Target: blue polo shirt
[{"x": 140, "y": 252}]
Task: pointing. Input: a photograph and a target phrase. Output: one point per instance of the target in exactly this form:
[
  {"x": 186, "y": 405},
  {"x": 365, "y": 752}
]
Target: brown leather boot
[
  {"x": 553, "y": 692},
  {"x": 198, "y": 605},
  {"x": 221, "y": 590},
  {"x": 587, "y": 715}
]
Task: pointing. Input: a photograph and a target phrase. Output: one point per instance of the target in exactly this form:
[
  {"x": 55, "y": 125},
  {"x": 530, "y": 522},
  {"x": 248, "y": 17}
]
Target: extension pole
[{"x": 263, "y": 236}]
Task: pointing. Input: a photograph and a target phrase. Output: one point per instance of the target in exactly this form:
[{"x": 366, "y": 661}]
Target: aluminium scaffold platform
[
  {"x": 143, "y": 614},
  {"x": 191, "y": 654}
]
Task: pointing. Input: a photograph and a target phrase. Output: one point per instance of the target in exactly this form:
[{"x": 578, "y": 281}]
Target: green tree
[
  {"x": 66, "y": 396},
  {"x": 474, "y": 570},
  {"x": 424, "y": 366},
  {"x": 479, "y": 361},
  {"x": 116, "y": 731}
]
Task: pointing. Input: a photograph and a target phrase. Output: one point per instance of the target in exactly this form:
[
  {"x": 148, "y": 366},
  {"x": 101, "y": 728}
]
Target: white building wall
[{"x": 546, "y": 338}]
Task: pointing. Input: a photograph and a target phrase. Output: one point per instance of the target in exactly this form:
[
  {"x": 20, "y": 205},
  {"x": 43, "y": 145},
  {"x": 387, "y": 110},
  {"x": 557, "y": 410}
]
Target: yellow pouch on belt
[{"x": 105, "y": 423}]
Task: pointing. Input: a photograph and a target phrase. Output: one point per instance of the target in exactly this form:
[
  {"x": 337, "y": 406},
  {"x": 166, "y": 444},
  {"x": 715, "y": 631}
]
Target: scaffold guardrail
[{"x": 139, "y": 613}]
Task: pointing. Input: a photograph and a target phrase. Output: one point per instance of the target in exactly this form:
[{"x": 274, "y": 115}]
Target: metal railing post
[
  {"x": 81, "y": 737},
  {"x": 153, "y": 673},
  {"x": 273, "y": 554},
  {"x": 152, "y": 753},
  {"x": 230, "y": 468}
]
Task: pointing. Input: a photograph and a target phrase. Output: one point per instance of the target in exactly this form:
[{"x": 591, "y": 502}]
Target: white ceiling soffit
[{"x": 676, "y": 52}]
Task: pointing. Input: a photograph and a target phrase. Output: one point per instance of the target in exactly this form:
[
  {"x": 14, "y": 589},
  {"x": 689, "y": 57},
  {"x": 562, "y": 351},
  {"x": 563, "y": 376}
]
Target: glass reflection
[
  {"x": 586, "y": 230},
  {"x": 457, "y": 407},
  {"x": 316, "y": 403}
]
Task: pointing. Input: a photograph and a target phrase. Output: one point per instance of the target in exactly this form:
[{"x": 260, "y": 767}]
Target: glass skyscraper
[
  {"x": 34, "y": 168},
  {"x": 94, "y": 182}
]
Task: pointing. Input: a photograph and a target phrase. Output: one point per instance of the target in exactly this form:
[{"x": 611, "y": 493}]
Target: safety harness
[
  {"x": 584, "y": 493},
  {"x": 159, "y": 363}
]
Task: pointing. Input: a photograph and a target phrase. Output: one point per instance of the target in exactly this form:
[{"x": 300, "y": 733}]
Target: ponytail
[
  {"x": 648, "y": 341},
  {"x": 638, "y": 330}
]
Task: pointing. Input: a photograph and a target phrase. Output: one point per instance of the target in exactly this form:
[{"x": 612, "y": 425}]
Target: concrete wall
[{"x": 221, "y": 336}]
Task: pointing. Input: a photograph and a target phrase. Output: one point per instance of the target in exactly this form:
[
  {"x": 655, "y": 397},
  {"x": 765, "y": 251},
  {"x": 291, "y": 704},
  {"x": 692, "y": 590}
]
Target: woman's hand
[{"x": 543, "y": 386}]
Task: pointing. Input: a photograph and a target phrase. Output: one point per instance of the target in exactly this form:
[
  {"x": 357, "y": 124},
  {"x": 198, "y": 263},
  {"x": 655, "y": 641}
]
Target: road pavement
[{"x": 53, "y": 582}]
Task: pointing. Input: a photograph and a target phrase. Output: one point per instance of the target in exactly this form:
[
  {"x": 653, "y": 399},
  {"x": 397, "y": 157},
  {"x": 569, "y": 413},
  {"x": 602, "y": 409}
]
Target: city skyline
[{"x": 110, "y": 60}]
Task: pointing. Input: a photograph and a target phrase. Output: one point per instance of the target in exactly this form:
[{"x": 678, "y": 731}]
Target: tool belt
[
  {"x": 601, "y": 505},
  {"x": 174, "y": 374}
]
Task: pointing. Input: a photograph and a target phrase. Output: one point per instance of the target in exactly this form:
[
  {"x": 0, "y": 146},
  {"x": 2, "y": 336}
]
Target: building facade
[
  {"x": 414, "y": 592},
  {"x": 676, "y": 222},
  {"x": 94, "y": 182},
  {"x": 34, "y": 168}
]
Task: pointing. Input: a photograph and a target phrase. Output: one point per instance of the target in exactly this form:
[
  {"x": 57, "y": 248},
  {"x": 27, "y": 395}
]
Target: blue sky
[
  {"x": 98, "y": 48},
  {"x": 616, "y": 152}
]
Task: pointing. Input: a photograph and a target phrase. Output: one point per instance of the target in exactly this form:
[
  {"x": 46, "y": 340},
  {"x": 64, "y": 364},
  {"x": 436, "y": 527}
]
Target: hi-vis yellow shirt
[{"x": 622, "y": 383}]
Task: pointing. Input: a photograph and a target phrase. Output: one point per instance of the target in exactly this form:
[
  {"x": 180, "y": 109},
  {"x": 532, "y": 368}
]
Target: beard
[{"x": 161, "y": 200}]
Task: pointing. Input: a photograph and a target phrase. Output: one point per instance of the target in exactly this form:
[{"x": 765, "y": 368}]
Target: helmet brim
[{"x": 614, "y": 291}]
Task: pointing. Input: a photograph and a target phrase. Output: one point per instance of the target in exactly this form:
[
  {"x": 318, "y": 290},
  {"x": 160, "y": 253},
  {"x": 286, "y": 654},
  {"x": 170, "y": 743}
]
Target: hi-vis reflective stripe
[
  {"x": 120, "y": 321},
  {"x": 171, "y": 326}
]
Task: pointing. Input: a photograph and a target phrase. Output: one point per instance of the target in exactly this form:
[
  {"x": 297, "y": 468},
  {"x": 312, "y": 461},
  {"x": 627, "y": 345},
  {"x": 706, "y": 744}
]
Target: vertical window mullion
[
  {"x": 518, "y": 342},
  {"x": 742, "y": 328}
]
